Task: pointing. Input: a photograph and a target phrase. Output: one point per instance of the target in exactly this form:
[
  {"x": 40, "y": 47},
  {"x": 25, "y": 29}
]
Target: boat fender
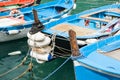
[
  {"x": 36, "y": 37},
  {"x": 40, "y": 44},
  {"x": 43, "y": 57},
  {"x": 16, "y": 14},
  {"x": 81, "y": 42},
  {"x": 108, "y": 17},
  {"x": 89, "y": 41},
  {"x": 65, "y": 15},
  {"x": 13, "y": 32},
  {"x": 74, "y": 6},
  {"x": 43, "y": 50},
  {"x": 14, "y": 53},
  {"x": 40, "y": 61}
]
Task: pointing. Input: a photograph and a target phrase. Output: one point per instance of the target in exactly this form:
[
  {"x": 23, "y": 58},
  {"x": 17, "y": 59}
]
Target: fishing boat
[
  {"x": 99, "y": 61},
  {"x": 16, "y": 23},
  {"x": 90, "y": 26},
  {"x": 10, "y": 4}
]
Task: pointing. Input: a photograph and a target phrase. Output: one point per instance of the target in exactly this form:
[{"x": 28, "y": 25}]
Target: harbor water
[{"x": 12, "y": 67}]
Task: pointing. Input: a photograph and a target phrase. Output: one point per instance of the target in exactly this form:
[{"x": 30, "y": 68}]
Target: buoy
[
  {"x": 40, "y": 44},
  {"x": 14, "y": 53},
  {"x": 36, "y": 37},
  {"x": 16, "y": 14},
  {"x": 40, "y": 61},
  {"x": 43, "y": 50},
  {"x": 80, "y": 42},
  {"x": 89, "y": 41},
  {"x": 43, "y": 57},
  {"x": 12, "y": 32}
]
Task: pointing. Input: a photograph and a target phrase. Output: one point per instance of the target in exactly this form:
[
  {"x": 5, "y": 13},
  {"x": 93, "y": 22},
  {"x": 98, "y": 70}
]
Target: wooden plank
[
  {"x": 109, "y": 10},
  {"x": 97, "y": 19},
  {"x": 114, "y": 10},
  {"x": 114, "y": 54}
]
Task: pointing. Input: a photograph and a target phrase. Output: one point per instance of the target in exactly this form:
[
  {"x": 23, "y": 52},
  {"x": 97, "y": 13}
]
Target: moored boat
[
  {"x": 99, "y": 60},
  {"x": 10, "y": 4},
  {"x": 90, "y": 26},
  {"x": 16, "y": 24}
]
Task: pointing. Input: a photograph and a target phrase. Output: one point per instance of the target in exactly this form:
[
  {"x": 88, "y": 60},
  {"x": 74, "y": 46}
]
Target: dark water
[{"x": 40, "y": 71}]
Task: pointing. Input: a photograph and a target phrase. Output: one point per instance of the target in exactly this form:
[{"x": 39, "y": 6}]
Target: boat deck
[
  {"x": 80, "y": 31},
  {"x": 114, "y": 54}
]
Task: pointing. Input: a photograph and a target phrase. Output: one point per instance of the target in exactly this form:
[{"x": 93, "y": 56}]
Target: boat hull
[
  {"x": 46, "y": 13},
  {"x": 83, "y": 73},
  {"x": 9, "y": 37}
]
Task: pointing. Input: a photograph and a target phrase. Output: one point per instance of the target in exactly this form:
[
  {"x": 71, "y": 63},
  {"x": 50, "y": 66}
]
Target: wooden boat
[
  {"x": 15, "y": 26},
  {"x": 90, "y": 25},
  {"x": 100, "y": 60},
  {"x": 10, "y": 4}
]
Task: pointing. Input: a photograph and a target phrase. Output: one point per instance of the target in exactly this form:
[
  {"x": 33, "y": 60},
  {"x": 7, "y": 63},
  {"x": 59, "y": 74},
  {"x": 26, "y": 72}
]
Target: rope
[
  {"x": 53, "y": 43},
  {"x": 63, "y": 48},
  {"x": 24, "y": 59},
  {"x": 14, "y": 67},
  {"x": 28, "y": 69},
  {"x": 56, "y": 69},
  {"x": 60, "y": 55}
]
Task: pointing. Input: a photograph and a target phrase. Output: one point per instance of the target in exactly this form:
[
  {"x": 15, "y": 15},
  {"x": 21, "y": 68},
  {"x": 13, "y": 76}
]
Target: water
[{"x": 40, "y": 71}]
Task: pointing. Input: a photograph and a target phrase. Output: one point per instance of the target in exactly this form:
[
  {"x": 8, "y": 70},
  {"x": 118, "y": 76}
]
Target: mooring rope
[
  {"x": 63, "y": 48},
  {"x": 60, "y": 55},
  {"x": 27, "y": 70},
  {"x": 22, "y": 62},
  {"x": 30, "y": 67},
  {"x": 56, "y": 69}
]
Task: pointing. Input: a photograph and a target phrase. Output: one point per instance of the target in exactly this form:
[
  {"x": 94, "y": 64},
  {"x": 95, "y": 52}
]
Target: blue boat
[
  {"x": 16, "y": 23},
  {"x": 99, "y": 61},
  {"x": 92, "y": 24}
]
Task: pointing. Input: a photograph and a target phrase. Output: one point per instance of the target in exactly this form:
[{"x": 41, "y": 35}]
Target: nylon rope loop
[{"x": 56, "y": 69}]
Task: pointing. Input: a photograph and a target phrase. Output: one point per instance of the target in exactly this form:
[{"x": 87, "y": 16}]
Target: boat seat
[
  {"x": 114, "y": 10},
  {"x": 97, "y": 19}
]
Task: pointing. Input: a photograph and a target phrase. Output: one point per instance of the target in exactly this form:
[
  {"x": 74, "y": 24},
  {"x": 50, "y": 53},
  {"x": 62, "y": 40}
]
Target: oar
[
  {"x": 73, "y": 43},
  {"x": 37, "y": 25}
]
